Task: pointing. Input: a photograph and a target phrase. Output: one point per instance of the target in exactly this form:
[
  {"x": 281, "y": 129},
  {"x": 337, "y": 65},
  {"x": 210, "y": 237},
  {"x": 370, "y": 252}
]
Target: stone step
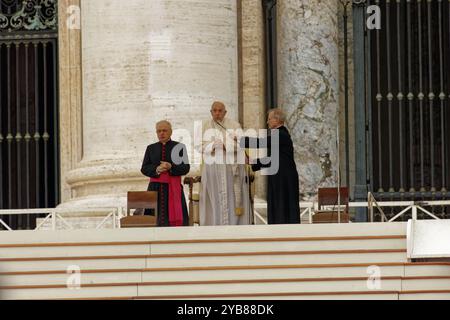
[
  {"x": 250, "y": 262},
  {"x": 360, "y": 244},
  {"x": 420, "y": 284},
  {"x": 204, "y": 233},
  {"x": 182, "y": 291},
  {"x": 426, "y": 269},
  {"x": 244, "y": 273},
  {"x": 234, "y": 288},
  {"x": 226, "y": 245},
  {"x": 207, "y": 259},
  {"x": 424, "y": 295}
]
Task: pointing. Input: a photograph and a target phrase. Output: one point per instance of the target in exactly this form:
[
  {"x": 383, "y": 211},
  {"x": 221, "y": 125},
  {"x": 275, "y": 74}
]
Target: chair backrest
[
  {"x": 330, "y": 197},
  {"x": 142, "y": 200}
]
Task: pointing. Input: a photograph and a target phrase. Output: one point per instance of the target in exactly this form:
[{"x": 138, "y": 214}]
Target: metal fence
[
  {"x": 402, "y": 96},
  {"x": 60, "y": 219},
  {"x": 409, "y": 57}
]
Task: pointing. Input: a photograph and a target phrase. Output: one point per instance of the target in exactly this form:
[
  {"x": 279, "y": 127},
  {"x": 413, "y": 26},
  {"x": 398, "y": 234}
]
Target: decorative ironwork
[{"x": 28, "y": 15}]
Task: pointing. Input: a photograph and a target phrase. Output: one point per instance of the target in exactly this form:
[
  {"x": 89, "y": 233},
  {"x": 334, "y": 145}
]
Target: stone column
[
  {"x": 145, "y": 61},
  {"x": 308, "y": 75}
]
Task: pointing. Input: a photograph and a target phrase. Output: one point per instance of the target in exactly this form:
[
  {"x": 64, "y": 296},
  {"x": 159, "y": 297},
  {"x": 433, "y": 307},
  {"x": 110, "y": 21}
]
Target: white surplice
[{"x": 225, "y": 196}]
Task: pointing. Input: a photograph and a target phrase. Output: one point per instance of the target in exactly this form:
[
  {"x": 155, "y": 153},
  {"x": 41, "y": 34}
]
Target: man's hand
[
  {"x": 160, "y": 170},
  {"x": 219, "y": 145},
  {"x": 163, "y": 167},
  {"x": 166, "y": 165}
]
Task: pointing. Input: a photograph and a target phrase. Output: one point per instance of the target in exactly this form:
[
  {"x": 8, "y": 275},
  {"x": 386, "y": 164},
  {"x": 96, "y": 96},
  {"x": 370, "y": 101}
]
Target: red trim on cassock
[{"x": 175, "y": 207}]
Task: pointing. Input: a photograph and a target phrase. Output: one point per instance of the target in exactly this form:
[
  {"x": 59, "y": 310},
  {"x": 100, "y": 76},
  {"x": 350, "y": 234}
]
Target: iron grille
[{"x": 29, "y": 107}]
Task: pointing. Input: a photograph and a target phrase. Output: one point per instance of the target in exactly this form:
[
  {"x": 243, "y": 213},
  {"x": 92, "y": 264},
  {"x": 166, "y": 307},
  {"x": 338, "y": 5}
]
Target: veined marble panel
[{"x": 309, "y": 86}]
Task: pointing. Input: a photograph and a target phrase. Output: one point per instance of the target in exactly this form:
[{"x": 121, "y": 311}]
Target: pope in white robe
[{"x": 225, "y": 194}]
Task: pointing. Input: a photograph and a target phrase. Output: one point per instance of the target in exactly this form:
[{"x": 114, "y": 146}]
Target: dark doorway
[{"x": 29, "y": 150}]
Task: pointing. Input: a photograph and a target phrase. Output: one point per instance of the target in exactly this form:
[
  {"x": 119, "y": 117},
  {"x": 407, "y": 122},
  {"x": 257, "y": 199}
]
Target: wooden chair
[
  {"x": 194, "y": 217},
  {"x": 141, "y": 200},
  {"x": 329, "y": 197}
]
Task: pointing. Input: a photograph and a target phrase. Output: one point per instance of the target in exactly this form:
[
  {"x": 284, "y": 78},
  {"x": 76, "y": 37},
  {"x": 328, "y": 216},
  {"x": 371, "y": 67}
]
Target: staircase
[{"x": 248, "y": 262}]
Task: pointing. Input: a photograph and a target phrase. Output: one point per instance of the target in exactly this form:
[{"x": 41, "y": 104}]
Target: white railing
[
  {"x": 409, "y": 206},
  {"x": 414, "y": 207},
  {"x": 257, "y": 216},
  {"x": 54, "y": 215},
  {"x": 308, "y": 209}
]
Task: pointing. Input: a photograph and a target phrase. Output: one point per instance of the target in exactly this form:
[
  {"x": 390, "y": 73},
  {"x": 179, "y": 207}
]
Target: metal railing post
[
  {"x": 414, "y": 212},
  {"x": 53, "y": 220},
  {"x": 119, "y": 216},
  {"x": 310, "y": 215}
]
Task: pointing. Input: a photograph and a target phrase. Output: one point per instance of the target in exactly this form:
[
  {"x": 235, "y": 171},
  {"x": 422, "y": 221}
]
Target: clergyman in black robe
[
  {"x": 283, "y": 196},
  {"x": 168, "y": 158}
]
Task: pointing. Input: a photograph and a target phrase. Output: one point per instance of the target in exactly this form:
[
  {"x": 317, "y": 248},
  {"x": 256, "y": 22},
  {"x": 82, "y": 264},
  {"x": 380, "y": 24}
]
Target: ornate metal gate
[
  {"x": 410, "y": 89},
  {"x": 29, "y": 107},
  {"x": 404, "y": 95}
]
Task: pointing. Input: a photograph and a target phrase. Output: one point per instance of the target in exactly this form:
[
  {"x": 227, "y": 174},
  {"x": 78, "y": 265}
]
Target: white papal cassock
[{"x": 225, "y": 196}]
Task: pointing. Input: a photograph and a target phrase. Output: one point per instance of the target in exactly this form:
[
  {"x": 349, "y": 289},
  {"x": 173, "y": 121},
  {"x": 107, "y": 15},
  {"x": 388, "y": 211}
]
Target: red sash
[{"x": 175, "y": 208}]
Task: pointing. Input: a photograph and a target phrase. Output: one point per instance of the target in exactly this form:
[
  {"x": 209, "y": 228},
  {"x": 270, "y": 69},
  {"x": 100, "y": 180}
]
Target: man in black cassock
[
  {"x": 168, "y": 159},
  {"x": 283, "y": 185}
]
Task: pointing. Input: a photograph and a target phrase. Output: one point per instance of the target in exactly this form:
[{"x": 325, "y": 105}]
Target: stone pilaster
[
  {"x": 253, "y": 73},
  {"x": 69, "y": 90}
]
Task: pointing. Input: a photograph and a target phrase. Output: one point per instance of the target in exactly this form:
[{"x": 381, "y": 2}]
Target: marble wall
[{"x": 308, "y": 75}]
